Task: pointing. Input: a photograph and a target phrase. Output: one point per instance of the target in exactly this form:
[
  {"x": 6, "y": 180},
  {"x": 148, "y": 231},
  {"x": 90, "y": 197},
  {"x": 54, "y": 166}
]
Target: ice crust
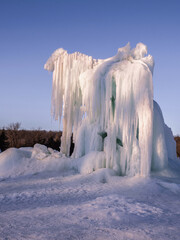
[{"x": 108, "y": 105}]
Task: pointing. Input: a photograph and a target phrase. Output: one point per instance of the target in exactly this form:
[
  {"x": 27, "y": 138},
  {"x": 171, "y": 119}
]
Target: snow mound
[
  {"x": 13, "y": 162},
  {"x": 25, "y": 161},
  {"x": 40, "y": 151},
  {"x": 90, "y": 162}
]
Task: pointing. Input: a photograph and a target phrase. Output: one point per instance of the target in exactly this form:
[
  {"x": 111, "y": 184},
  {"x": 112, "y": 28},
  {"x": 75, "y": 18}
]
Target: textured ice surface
[
  {"x": 108, "y": 105},
  {"x": 51, "y": 205}
]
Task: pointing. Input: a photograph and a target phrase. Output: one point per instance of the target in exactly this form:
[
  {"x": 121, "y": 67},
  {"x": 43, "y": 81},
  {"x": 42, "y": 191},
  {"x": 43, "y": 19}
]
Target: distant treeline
[{"x": 27, "y": 138}]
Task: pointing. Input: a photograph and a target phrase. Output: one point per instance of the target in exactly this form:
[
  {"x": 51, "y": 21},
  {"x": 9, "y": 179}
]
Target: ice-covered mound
[
  {"x": 40, "y": 151},
  {"x": 108, "y": 104},
  {"x": 14, "y": 161},
  {"x": 24, "y": 161}
]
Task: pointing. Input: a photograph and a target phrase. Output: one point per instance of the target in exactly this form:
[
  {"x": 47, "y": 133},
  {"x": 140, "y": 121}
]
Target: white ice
[{"x": 108, "y": 105}]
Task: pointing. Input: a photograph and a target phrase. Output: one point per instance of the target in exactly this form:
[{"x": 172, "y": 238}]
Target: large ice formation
[{"x": 108, "y": 105}]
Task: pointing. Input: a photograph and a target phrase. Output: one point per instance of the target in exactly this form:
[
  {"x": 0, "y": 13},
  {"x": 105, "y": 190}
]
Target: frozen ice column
[{"x": 108, "y": 105}]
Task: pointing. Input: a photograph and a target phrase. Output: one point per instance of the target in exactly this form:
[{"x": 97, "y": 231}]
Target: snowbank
[
  {"x": 40, "y": 159},
  {"x": 24, "y": 161}
]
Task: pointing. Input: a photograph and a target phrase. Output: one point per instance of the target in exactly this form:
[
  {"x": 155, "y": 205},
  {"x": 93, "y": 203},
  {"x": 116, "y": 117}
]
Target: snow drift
[{"x": 108, "y": 105}]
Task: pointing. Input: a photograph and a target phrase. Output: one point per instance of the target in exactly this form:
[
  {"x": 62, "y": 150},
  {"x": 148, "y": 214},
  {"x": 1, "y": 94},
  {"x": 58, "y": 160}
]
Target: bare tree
[
  {"x": 12, "y": 134},
  {"x": 14, "y": 126}
]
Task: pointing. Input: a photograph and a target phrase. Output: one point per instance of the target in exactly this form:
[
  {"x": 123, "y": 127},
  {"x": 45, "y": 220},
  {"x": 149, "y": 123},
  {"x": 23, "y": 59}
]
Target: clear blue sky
[{"x": 30, "y": 30}]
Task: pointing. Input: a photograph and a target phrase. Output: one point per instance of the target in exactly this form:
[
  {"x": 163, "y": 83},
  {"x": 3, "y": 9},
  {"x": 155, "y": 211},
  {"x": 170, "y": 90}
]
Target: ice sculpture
[{"x": 108, "y": 105}]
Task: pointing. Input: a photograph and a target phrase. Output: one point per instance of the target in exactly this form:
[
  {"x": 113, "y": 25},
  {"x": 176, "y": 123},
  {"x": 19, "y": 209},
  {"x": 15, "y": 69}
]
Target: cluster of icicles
[{"x": 108, "y": 105}]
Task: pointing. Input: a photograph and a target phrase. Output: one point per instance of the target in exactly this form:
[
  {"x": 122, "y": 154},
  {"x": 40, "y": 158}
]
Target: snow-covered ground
[{"x": 43, "y": 196}]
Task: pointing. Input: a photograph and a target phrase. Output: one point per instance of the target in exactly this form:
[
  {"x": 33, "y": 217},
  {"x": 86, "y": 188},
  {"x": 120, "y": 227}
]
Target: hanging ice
[{"x": 108, "y": 105}]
